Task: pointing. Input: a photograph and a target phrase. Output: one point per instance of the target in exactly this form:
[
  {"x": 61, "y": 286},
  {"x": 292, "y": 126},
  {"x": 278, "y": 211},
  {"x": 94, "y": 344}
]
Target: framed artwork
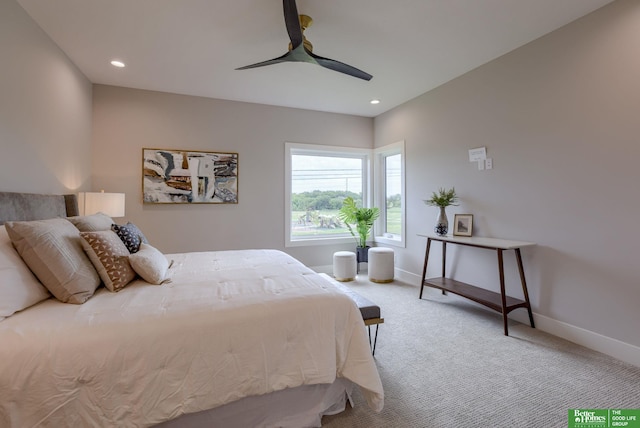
[
  {"x": 189, "y": 177},
  {"x": 463, "y": 224}
]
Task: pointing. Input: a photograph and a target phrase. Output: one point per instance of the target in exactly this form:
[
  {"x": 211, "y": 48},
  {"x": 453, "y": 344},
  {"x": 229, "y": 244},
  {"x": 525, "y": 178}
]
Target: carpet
[{"x": 445, "y": 362}]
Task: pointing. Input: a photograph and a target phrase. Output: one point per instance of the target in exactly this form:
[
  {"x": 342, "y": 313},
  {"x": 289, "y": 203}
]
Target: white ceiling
[{"x": 193, "y": 46}]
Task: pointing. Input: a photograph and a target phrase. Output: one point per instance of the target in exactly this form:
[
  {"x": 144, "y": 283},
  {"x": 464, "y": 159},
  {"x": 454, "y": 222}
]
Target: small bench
[{"x": 369, "y": 310}]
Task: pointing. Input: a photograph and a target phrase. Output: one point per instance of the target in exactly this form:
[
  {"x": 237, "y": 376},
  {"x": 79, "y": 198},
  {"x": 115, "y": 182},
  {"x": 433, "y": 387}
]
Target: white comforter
[{"x": 230, "y": 324}]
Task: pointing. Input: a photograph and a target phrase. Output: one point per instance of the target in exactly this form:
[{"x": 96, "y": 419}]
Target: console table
[{"x": 499, "y": 302}]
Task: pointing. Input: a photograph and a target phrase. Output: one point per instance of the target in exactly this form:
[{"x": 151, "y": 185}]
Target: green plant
[
  {"x": 362, "y": 218},
  {"x": 443, "y": 198}
]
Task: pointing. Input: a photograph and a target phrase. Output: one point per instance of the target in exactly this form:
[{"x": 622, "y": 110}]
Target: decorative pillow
[
  {"x": 19, "y": 289},
  {"x": 150, "y": 264},
  {"x": 92, "y": 223},
  {"x": 110, "y": 257},
  {"x": 52, "y": 250},
  {"x": 130, "y": 235}
]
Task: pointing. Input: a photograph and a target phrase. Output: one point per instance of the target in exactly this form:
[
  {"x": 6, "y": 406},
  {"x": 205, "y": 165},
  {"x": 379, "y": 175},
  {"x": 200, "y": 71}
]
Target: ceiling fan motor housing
[{"x": 305, "y": 22}]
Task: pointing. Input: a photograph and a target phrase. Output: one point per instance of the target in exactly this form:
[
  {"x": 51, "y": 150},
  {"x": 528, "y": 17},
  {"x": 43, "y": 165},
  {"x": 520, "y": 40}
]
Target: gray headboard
[{"x": 33, "y": 206}]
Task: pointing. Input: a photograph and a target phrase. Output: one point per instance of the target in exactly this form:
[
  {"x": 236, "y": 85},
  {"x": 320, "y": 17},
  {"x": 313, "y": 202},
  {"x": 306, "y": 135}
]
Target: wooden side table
[{"x": 499, "y": 302}]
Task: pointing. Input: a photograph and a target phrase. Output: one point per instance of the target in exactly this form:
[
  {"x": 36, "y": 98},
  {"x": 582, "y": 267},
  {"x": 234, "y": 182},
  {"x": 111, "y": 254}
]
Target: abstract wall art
[{"x": 187, "y": 177}]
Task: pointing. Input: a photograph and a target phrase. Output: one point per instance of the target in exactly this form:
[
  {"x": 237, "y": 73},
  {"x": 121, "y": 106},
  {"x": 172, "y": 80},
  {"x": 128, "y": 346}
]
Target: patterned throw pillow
[
  {"x": 110, "y": 258},
  {"x": 130, "y": 235}
]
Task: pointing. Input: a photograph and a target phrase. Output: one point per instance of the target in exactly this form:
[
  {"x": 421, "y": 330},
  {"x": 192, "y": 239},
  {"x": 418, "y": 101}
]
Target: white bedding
[{"x": 231, "y": 324}]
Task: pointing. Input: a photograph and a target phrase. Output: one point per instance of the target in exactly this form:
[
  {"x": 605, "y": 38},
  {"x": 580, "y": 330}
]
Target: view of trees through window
[
  {"x": 316, "y": 213},
  {"x": 319, "y": 184},
  {"x": 393, "y": 184}
]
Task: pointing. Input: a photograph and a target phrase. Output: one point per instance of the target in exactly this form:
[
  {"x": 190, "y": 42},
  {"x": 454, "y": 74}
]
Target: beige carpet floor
[{"x": 444, "y": 362}]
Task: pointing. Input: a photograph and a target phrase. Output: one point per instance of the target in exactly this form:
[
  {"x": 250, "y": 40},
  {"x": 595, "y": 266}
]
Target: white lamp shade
[{"x": 111, "y": 204}]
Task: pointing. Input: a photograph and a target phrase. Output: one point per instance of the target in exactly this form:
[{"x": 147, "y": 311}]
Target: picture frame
[
  {"x": 463, "y": 225},
  {"x": 178, "y": 176}
]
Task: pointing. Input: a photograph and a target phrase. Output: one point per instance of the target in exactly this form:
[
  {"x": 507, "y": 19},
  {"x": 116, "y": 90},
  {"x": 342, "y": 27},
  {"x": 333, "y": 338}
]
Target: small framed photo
[{"x": 463, "y": 225}]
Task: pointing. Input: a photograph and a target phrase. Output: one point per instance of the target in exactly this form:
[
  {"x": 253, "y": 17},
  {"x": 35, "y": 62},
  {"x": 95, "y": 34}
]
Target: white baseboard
[
  {"x": 408, "y": 277},
  {"x": 328, "y": 269},
  {"x": 613, "y": 347},
  {"x": 617, "y": 349}
]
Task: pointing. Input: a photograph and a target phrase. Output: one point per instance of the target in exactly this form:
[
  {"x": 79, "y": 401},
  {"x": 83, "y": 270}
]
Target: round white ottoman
[
  {"x": 344, "y": 266},
  {"x": 381, "y": 264}
]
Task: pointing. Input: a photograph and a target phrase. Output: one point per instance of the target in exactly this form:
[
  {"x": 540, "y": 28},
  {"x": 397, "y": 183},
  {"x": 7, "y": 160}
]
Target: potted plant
[
  {"x": 362, "y": 219},
  {"x": 442, "y": 199}
]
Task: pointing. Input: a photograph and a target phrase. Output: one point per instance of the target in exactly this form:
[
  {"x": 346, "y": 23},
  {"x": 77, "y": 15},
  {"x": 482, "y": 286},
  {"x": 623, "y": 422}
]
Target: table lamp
[{"x": 111, "y": 204}]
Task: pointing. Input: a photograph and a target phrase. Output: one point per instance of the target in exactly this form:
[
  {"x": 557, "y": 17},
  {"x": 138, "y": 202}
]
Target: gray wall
[
  {"x": 559, "y": 117},
  {"x": 45, "y": 111},
  {"x": 126, "y": 120}
]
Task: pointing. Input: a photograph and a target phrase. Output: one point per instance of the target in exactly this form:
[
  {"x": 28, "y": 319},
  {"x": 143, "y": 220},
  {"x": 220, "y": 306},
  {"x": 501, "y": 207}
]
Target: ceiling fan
[{"x": 300, "y": 50}]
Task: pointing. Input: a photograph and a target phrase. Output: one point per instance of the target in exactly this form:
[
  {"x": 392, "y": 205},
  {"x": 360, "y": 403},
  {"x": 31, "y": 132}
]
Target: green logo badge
[{"x": 604, "y": 418}]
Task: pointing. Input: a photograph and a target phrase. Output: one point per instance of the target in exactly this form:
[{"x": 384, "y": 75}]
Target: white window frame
[
  {"x": 322, "y": 150},
  {"x": 380, "y": 198}
]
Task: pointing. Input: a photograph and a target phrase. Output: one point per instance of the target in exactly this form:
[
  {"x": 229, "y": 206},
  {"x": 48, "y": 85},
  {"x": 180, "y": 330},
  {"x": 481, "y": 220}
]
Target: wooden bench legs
[{"x": 369, "y": 323}]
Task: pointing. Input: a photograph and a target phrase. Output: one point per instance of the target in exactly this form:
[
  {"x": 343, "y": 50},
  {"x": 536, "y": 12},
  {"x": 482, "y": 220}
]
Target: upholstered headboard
[{"x": 33, "y": 206}]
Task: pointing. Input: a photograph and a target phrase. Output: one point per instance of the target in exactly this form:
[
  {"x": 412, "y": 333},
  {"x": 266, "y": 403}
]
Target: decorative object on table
[
  {"x": 362, "y": 219},
  {"x": 442, "y": 199},
  {"x": 463, "y": 224},
  {"x": 184, "y": 176}
]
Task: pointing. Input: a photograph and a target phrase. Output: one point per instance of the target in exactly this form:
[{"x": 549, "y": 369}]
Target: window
[
  {"x": 318, "y": 178},
  {"x": 389, "y": 182}
]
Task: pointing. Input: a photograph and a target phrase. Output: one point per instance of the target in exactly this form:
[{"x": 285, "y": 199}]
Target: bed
[{"x": 228, "y": 338}]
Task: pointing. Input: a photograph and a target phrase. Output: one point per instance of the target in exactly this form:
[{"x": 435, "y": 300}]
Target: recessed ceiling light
[
  {"x": 375, "y": 101},
  {"x": 116, "y": 63}
]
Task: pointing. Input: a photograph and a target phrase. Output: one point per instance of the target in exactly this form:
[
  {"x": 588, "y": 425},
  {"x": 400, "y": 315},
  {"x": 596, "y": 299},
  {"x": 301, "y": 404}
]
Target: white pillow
[
  {"x": 92, "y": 223},
  {"x": 19, "y": 288},
  {"x": 150, "y": 264},
  {"x": 53, "y": 251}
]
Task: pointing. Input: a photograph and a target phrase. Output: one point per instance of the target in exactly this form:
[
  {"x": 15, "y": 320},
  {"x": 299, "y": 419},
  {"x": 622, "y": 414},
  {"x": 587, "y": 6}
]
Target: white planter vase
[{"x": 442, "y": 223}]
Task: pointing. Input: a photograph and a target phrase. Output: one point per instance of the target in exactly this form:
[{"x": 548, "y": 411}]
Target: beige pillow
[
  {"x": 92, "y": 223},
  {"x": 53, "y": 252},
  {"x": 19, "y": 289},
  {"x": 150, "y": 264},
  {"x": 110, "y": 257}
]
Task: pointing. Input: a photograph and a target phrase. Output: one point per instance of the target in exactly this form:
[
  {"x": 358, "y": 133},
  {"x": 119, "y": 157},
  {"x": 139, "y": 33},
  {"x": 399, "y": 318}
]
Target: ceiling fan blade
[
  {"x": 292, "y": 21},
  {"x": 278, "y": 60},
  {"x": 341, "y": 67}
]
